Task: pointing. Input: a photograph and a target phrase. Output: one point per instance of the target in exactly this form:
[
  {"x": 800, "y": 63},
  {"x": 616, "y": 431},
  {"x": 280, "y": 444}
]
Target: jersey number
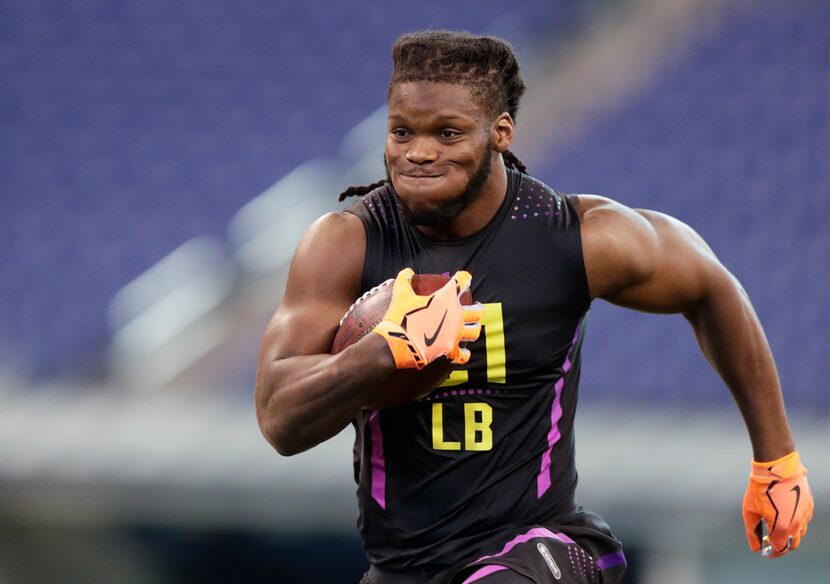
[{"x": 493, "y": 323}]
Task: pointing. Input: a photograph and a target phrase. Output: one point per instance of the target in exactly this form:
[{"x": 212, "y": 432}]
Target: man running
[{"x": 476, "y": 481}]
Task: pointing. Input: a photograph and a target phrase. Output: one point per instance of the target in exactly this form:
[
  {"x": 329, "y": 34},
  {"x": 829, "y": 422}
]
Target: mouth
[{"x": 420, "y": 175}]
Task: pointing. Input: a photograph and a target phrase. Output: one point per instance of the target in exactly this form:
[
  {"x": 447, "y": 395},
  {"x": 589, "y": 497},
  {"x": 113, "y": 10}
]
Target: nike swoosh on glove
[{"x": 419, "y": 329}]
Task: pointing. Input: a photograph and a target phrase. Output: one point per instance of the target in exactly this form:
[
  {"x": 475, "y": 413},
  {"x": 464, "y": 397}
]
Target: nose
[{"x": 421, "y": 151}]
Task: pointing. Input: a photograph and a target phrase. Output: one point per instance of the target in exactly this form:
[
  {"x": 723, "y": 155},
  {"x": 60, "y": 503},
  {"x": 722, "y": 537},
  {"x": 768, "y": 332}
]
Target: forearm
[
  {"x": 733, "y": 341},
  {"x": 304, "y": 400}
]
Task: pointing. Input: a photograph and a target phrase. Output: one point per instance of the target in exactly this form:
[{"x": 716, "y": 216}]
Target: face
[{"x": 439, "y": 150}]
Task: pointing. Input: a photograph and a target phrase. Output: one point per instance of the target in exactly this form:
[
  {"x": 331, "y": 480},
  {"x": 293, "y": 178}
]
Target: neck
[{"x": 480, "y": 212}]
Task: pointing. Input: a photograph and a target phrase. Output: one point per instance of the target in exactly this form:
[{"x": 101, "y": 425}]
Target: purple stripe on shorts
[
  {"x": 378, "y": 460},
  {"x": 611, "y": 560},
  {"x": 485, "y": 571},
  {"x": 535, "y": 532},
  {"x": 543, "y": 480}
]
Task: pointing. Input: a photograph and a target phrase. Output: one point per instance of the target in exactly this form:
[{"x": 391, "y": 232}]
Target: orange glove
[
  {"x": 419, "y": 329},
  {"x": 779, "y": 495}
]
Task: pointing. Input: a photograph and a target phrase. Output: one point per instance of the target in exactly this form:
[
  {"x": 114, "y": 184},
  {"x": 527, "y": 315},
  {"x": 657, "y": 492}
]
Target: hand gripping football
[
  {"x": 405, "y": 385},
  {"x": 419, "y": 328}
]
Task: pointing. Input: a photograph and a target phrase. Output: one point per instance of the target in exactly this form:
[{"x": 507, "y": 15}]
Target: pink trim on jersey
[
  {"x": 378, "y": 460},
  {"x": 535, "y": 532},
  {"x": 485, "y": 571},
  {"x": 543, "y": 480}
]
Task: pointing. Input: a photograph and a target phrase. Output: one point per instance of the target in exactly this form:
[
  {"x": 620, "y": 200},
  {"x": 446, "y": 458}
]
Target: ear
[{"x": 502, "y": 132}]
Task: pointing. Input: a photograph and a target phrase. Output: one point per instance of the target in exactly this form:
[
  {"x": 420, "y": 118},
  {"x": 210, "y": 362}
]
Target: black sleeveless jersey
[{"x": 493, "y": 448}]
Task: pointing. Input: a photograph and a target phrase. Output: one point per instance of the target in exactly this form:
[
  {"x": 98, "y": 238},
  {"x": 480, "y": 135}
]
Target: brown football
[{"x": 405, "y": 385}]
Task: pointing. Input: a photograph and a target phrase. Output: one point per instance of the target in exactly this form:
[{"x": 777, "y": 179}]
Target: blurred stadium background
[{"x": 159, "y": 161}]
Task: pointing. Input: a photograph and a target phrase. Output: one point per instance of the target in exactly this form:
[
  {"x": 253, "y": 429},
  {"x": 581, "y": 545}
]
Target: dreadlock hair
[
  {"x": 486, "y": 64},
  {"x": 359, "y": 191}
]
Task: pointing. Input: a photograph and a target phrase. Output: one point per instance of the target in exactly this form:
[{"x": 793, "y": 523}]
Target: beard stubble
[{"x": 447, "y": 212}]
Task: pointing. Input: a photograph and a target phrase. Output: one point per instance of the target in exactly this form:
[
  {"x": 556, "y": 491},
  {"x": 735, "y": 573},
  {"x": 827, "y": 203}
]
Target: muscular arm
[
  {"x": 304, "y": 395},
  {"x": 648, "y": 261}
]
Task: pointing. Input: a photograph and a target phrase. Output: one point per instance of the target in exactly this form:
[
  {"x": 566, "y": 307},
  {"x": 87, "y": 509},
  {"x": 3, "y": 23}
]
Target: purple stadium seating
[
  {"x": 128, "y": 128},
  {"x": 733, "y": 139}
]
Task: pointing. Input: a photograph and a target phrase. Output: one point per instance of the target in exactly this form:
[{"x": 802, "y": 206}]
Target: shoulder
[
  {"x": 606, "y": 222},
  {"x": 615, "y": 243},
  {"x": 335, "y": 227},
  {"x": 602, "y": 217},
  {"x": 338, "y": 233},
  {"x": 331, "y": 251},
  {"x": 623, "y": 247}
]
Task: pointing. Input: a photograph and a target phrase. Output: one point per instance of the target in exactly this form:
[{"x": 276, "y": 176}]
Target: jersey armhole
[
  {"x": 367, "y": 249},
  {"x": 574, "y": 202}
]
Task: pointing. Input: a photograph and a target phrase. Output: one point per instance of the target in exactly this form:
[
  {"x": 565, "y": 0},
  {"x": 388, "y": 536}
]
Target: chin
[{"x": 430, "y": 210}]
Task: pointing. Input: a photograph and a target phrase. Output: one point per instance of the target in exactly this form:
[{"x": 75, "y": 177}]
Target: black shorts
[
  {"x": 540, "y": 556},
  {"x": 535, "y": 555}
]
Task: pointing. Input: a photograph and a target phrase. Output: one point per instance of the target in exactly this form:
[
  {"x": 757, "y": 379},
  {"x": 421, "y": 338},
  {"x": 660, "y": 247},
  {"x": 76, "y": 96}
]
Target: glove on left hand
[{"x": 779, "y": 495}]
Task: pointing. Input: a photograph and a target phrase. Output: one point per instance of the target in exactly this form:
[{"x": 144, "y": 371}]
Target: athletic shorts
[
  {"x": 540, "y": 556},
  {"x": 536, "y": 555}
]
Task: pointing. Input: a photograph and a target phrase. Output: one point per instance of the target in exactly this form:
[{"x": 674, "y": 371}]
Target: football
[{"x": 405, "y": 385}]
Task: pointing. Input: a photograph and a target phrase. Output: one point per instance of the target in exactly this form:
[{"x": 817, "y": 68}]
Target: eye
[
  {"x": 448, "y": 134},
  {"x": 400, "y": 133}
]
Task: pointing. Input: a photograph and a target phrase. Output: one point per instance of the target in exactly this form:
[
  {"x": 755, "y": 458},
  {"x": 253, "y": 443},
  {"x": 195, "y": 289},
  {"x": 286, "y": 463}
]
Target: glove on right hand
[{"x": 419, "y": 329}]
